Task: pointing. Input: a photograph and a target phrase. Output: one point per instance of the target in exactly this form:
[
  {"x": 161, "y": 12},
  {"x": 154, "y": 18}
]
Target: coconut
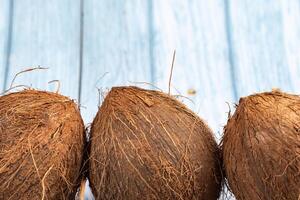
[
  {"x": 261, "y": 147},
  {"x": 147, "y": 145},
  {"x": 41, "y": 146}
]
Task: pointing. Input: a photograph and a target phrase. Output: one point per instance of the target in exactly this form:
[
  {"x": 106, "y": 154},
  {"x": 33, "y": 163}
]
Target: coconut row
[{"x": 145, "y": 144}]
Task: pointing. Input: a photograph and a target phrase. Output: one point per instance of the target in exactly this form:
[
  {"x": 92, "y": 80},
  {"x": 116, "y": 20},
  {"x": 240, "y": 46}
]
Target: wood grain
[
  {"x": 224, "y": 49},
  {"x": 4, "y": 37},
  {"x": 116, "y": 42},
  {"x": 197, "y": 30},
  {"x": 257, "y": 42},
  {"x": 291, "y": 32},
  {"x": 46, "y": 33}
]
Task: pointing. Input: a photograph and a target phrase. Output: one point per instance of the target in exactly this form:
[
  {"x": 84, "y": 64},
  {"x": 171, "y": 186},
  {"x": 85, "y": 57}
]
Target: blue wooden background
[{"x": 225, "y": 48}]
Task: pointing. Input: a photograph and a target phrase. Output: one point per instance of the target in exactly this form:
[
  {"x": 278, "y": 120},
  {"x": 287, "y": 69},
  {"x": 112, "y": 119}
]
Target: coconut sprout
[
  {"x": 261, "y": 147},
  {"x": 41, "y": 146},
  {"x": 147, "y": 145}
]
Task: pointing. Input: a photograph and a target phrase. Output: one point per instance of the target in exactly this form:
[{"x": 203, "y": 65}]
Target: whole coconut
[
  {"x": 41, "y": 146},
  {"x": 261, "y": 147},
  {"x": 147, "y": 145}
]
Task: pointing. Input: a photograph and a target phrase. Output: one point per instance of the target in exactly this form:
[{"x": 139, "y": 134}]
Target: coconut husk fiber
[
  {"x": 41, "y": 146},
  {"x": 147, "y": 145},
  {"x": 261, "y": 147}
]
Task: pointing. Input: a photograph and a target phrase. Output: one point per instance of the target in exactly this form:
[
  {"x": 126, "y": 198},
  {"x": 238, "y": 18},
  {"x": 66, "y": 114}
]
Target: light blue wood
[
  {"x": 197, "y": 30},
  {"x": 225, "y": 49},
  {"x": 46, "y": 33},
  {"x": 258, "y": 44},
  {"x": 290, "y": 11},
  {"x": 116, "y": 41},
  {"x": 4, "y": 34}
]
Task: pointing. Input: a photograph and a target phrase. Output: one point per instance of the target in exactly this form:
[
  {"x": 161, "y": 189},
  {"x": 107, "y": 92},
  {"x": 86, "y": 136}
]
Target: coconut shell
[
  {"x": 261, "y": 147},
  {"x": 41, "y": 146},
  {"x": 147, "y": 145}
]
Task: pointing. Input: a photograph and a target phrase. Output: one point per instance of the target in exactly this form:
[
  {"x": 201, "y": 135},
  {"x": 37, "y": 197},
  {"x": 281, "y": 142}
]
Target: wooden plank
[
  {"x": 46, "y": 33},
  {"x": 291, "y": 33},
  {"x": 257, "y": 39},
  {"x": 116, "y": 40},
  {"x": 4, "y": 37},
  {"x": 196, "y": 29}
]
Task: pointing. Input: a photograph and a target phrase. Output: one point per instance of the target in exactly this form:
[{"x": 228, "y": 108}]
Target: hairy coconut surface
[
  {"x": 147, "y": 145},
  {"x": 41, "y": 146},
  {"x": 261, "y": 147}
]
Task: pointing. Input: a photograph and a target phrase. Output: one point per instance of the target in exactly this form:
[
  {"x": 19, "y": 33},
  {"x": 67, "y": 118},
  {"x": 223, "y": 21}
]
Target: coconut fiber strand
[
  {"x": 147, "y": 145},
  {"x": 261, "y": 147},
  {"x": 41, "y": 146}
]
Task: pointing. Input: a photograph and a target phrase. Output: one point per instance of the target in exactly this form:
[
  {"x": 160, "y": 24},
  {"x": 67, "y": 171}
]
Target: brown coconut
[
  {"x": 261, "y": 147},
  {"x": 41, "y": 146},
  {"x": 147, "y": 145}
]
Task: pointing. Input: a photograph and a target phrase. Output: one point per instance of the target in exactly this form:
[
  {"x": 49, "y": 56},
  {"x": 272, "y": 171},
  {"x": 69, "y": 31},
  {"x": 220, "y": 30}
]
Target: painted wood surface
[
  {"x": 45, "y": 33},
  {"x": 4, "y": 34},
  {"x": 291, "y": 37},
  {"x": 116, "y": 48},
  {"x": 225, "y": 49},
  {"x": 199, "y": 36},
  {"x": 257, "y": 38}
]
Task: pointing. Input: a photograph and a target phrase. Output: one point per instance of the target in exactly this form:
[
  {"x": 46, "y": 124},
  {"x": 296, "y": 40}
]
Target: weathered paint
[
  {"x": 224, "y": 49},
  {"x": 4, "y": 38},
  {"x": 116, "y": 42},
  {"x": 45, "y": 33},
  {"x": 197, "y": 30},
  {"x": 260, "y": 59}
]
